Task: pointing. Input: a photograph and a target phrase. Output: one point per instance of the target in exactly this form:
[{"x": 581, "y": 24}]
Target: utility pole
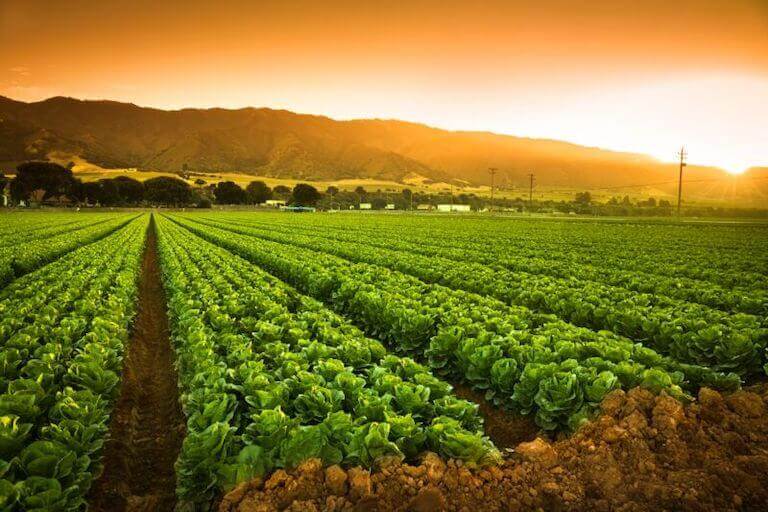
[
  {"x": 492, "y": 171},
  {"x": 530, "y": 192},
  {"x": 682, "y": 154}
]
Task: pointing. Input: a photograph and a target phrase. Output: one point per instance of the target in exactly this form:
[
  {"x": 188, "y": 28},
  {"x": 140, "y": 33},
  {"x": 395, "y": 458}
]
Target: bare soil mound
[
  {"x": 644, "y": 452},
  {"x": 147, "y": 426}
]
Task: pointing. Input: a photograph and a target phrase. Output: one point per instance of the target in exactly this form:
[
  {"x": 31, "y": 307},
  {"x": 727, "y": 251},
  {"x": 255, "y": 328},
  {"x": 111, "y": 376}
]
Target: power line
[
  {"x": 492, "y": 171},
  {"x": 673, "y": 181},
  {"x": 632, "y": 186},
  {"x": 682, "y": 155},
  {"x": 530, "y": 191}
]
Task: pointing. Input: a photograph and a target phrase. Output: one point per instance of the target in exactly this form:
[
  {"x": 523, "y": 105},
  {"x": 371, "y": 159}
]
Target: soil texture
[{"x": 643, "y": 453}]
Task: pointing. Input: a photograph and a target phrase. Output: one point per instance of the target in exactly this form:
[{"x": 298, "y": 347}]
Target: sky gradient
[{"x": 643, "y": 75}]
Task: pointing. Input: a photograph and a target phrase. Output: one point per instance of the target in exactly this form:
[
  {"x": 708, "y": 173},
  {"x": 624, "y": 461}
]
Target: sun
[{"x": 734, "y": 167}]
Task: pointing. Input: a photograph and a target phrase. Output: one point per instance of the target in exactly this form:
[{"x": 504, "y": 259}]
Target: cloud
[{"x": 20, "y": 70}]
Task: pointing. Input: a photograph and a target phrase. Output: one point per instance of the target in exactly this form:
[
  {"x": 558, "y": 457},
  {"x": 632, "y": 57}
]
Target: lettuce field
[{"x": 254, "y": 361}]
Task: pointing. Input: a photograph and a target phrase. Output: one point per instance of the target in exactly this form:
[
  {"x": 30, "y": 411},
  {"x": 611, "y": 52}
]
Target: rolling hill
[{"x": 283, "y": 144}]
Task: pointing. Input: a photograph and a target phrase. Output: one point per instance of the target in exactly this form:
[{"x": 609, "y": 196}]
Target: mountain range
[{"x": 283, "y": 144}]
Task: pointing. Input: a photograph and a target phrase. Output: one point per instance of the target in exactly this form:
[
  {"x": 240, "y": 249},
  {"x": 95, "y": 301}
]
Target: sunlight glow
[{"x": 719, "y": 118}]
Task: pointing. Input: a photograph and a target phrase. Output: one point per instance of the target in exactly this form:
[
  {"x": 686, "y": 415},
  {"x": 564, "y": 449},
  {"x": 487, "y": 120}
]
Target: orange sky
[{"x": 641, "y": 75}]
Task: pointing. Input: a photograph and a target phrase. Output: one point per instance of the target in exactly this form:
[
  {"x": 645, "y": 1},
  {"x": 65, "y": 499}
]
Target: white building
[
  {"x": 453, "y": 208},
  {"x": 275, "y": 203},
  {"x": 390, "y": 206},
  {"x": 366, "y": 206}
]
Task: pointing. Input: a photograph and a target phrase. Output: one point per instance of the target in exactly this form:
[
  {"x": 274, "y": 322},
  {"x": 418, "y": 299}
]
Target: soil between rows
[
  {"x": 147, "y": 427},
  {"x": 505, "y": 428}
]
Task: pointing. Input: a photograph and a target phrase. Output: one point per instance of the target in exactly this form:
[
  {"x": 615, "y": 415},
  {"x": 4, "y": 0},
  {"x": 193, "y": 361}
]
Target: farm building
[
  {"x": 424, "y": 207},
  {"x": 453, "y": 208},
  {"x": 275, "y": 203},
  {"x": 366, "y": 206}
]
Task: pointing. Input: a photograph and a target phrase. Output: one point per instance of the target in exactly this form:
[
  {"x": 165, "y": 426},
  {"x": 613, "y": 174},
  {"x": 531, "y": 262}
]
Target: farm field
[{"x": 247, "y": 361}]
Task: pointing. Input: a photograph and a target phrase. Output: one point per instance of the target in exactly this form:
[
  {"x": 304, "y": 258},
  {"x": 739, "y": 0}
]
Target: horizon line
[{"x": 385, "y": 119}]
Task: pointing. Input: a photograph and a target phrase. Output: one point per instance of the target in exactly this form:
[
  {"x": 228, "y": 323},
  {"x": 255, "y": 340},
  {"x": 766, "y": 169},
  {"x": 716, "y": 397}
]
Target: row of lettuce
[
  {"x": 27, "y": 243},
  {"x": 62, "y": 333},
  {"x": 528, "y": 362},
  {"x": 688, "y": 332},
  {"x": 532, "y": 259},
  {"x": 726, "y": 254},
  {"x": 270, "y": 378},
  {"x": 270, "y": 375}
]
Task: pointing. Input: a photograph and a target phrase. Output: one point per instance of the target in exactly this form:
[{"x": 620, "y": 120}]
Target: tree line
[{"x": 49, "y": 182}]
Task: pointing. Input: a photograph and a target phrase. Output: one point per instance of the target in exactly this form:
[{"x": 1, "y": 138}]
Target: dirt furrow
[
  {"x": 147, "y": 426},
  {"x": 505, "y": 428}
]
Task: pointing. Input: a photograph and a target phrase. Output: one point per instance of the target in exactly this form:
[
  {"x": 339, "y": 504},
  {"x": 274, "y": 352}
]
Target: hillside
[{"x": 283, "y": 144}]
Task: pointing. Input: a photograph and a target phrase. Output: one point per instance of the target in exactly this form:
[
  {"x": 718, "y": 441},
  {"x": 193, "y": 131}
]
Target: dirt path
[{"x": 147, "y": 424}]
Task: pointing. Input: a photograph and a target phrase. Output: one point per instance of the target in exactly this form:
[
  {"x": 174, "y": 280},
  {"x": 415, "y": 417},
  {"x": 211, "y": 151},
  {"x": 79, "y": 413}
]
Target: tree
[
  {"x": 199, "y": 182},
  {"x": 583, "y": 198},
  {"x": 90, "y": 192},
  {"x": 229, "y": 192},
  {"x": 281, "y": 190},
  {"x": 305, "y": 195},
  {"x": 258, "y": 192},
  {"x": 53, "y": 179},
  {"x": 169, "y": 191},
  {"x": 378, "y": 203},
  {"x": 129, "y": 190},
  {"x": 332, "y": 191},
  {"x": 108, "y": 192},
  {"x": 663, "y": 203},
  {"x": 359, "y": 190},
  {"x": 116, "y": 191}
]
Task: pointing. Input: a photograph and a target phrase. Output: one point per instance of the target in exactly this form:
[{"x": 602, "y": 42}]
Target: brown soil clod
[
  {"x": 644, "y": 453},
  {"x": 147, "y": 425}
]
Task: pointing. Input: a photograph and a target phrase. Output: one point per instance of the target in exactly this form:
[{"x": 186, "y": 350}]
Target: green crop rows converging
[
  {"x": 62, "y": 332},
  {"x": 336, "y": 336},
  {"x": 270, "y": 378}
]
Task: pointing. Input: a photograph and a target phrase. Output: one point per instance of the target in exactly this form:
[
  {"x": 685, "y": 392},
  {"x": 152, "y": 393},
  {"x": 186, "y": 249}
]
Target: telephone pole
[
  {"x": 492, "y": 171},
  {"x": 682, "y": 154},
  {"x": 530, "y": 192}
]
